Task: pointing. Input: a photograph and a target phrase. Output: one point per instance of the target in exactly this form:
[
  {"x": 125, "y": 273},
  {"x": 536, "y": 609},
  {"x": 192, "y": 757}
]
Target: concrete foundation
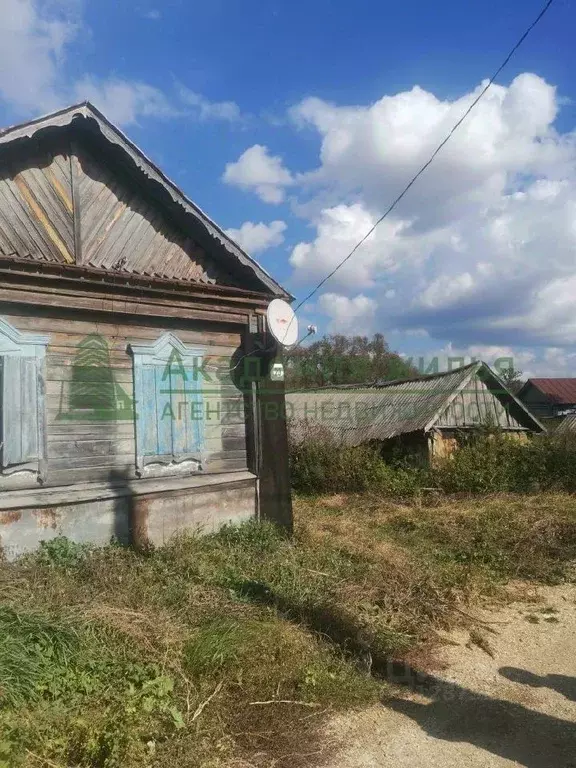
[{"x": 150, "y": 516}]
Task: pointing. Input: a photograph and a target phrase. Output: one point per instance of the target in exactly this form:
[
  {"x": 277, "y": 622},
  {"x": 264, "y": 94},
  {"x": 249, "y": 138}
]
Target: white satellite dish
[{"x": 282, "y": 322}]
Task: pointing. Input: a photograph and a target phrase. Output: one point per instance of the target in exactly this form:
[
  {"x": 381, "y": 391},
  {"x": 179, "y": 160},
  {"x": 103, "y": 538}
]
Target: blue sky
[{"x": 295, "y": 124}]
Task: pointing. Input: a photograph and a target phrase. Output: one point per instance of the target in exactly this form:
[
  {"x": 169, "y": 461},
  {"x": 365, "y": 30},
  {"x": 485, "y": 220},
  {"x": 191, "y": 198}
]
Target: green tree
[
  {"x": 341, "y": 359},
  {"x": 512, "y": 378}
]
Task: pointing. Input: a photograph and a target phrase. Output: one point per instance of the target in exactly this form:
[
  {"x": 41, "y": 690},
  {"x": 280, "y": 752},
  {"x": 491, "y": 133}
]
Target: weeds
[
  {"x": 33, "y": 652},
  {"x": 320, "y": 465},
  {"x": 234, "y": 646},
  {"x": 531, "y": 538},
  {"x": 487, "y": 461}
]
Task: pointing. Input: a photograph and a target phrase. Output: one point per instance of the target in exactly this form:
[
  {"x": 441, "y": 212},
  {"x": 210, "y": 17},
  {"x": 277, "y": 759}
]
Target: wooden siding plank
[
  {"x": 10, "y": 242},
  {"x": 125, "y": 225},
  {"x": 42, "y": 217},
  {"x": 60, "y": 449},
  {"x": 122, "y": 247},
  {"x": 125, "y": 306},
  {"x": 47, "y": 197},
  {"x": 60, "y": 169},
  {"x": 136, "y": 235},
  {"x": 32, "y": 241},
  {"x": 75, "y": 173},
  {"x": 78, "y": 430}
]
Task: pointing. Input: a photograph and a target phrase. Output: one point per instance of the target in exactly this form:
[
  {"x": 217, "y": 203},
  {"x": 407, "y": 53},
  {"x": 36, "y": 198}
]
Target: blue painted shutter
[
  {"x": 194, "y": 412},
  {"x": 179, "y": 401},
  {"x": 20, "y": 443},
  {"x": 170, "y": 419},
  {"x": 187, "y": 426},
  {"x": 154, "y": 425},
  {"x": 164, "y": 410},
  {"x": 147, "y": 429}
]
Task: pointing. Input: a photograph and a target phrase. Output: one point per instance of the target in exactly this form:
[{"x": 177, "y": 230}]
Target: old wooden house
[
  {"x": 421, "y": 418},
  {"x": 549, "y": 398},
  {"x": 127, "y": 318}
]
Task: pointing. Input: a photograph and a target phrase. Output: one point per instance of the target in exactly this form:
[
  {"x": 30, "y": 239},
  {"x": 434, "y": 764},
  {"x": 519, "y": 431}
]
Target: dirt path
[{"x": 515, "y": 709}]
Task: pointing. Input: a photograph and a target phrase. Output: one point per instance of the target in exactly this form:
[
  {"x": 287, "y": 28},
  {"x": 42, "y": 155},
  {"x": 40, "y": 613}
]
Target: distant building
[
  {"x": 421, "y": 417},
  {"x": 549, "y": 398}
]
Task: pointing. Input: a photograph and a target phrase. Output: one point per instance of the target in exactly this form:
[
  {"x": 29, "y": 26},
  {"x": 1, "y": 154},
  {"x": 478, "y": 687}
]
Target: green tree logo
[{"x": 93, "y": 393}]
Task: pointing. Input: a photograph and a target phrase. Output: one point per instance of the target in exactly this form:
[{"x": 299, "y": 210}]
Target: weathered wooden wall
[
  {"x": 64, "y": 205},
  {"x": 444, "y": 442},
  {"x": 36, "y": 208},
  {"x": 475, "y": 404},
  {"x": 441, "y": 444},
  {"x": 119, "y": 230},
  {"x": 83, "y": 449}
]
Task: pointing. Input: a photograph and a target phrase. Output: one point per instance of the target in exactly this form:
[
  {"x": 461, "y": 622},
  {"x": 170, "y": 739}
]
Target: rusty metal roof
[
  {"x": 559, "y": 391},
  {"x": 89, "y": 118},
  {"x": 359, "y": 413}
]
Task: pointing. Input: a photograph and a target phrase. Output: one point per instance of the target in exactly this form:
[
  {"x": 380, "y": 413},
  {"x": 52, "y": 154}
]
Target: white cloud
[
  {"x": 210, "y": 110},
  {"x": 379, "y": 147},
  {"x": 123, "y": 101},
  {"x": 338, "y": 230},
  {"x": 481, "y": 249},
  {"x": 35, "y": 38},
  {"x": 256, "y": 169},
  {"x": 348, "y": 315},
  {"x": 255, "y": 238},
  {"x": 530, "y": 362},
  {"x": 153, "y": 14}
]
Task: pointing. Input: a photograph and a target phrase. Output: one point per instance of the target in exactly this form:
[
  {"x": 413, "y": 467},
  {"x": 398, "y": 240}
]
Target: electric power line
[{"x": 432, "y": 156}]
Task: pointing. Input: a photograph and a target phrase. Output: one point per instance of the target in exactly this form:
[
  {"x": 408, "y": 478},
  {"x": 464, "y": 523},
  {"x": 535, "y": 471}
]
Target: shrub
[
  {"x": 491, "y": 462},
  {"x": 319, "y": 464},
  {"x": 487, "y": 461}
]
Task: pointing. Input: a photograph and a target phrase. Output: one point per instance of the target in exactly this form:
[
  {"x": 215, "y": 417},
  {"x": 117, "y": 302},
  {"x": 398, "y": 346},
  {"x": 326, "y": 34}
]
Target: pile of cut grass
[{"x": 232, "y": 649}]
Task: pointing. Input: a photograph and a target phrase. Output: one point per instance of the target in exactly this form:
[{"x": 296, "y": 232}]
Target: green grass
[
  {"x": 503, "y": 537},
  {"x": 237, "y": 646}
]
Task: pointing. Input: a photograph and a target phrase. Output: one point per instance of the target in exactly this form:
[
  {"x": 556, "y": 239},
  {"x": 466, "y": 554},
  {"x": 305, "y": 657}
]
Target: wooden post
[{"x": 275, "y": 490}]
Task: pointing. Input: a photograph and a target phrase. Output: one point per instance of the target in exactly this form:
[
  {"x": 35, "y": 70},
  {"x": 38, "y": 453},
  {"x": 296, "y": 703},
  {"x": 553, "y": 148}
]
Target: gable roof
[
  {"x": 385, "y": 409},
  {"x": 87, "y": 119},
  {"x": 558, "y": 391}
]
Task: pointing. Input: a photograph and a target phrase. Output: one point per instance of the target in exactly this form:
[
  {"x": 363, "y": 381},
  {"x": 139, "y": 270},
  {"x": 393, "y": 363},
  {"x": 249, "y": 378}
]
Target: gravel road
[{"x": 512, "y": 703}]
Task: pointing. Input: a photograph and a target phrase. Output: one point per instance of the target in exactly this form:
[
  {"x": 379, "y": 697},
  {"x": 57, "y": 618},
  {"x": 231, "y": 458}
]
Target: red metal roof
[{"x": 560, "y": 391}]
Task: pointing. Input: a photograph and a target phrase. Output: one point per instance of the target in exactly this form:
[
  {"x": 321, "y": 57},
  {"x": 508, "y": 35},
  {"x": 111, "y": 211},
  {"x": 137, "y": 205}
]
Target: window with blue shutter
[
  {"x": 169, "y": 414},
  {"x": 22, "y": 401}
]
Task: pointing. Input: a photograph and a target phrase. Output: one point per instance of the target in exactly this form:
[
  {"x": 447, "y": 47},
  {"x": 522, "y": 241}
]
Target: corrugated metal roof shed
[
  {"x": 559, "y": 391},
  {"x": 359, "y": 413}
]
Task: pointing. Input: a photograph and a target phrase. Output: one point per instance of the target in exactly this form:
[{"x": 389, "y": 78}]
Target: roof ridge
[{"x": 381, "y": 384}]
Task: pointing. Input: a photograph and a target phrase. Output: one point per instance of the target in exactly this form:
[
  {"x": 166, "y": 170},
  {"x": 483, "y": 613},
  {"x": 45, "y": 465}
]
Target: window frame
[
  {"x": 158, "y": 355},
  {"x": 32, "y": 347}
]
